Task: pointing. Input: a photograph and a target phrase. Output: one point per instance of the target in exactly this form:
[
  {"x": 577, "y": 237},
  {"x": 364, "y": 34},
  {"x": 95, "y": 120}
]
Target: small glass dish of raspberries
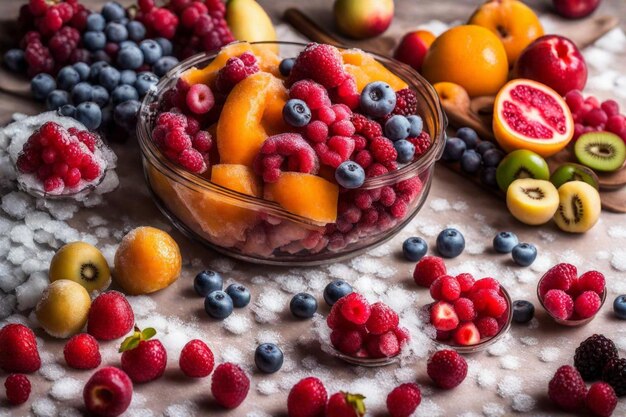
[
  {"x": 569, "y": 298},
  {"x": 469, "y": 315},
  {"x": 301, "y": 157},
  {"x": 363, "y": 334}
]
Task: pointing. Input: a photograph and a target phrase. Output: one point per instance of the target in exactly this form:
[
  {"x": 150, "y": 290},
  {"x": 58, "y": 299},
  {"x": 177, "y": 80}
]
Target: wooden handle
[{"x": 311, "y": 30}]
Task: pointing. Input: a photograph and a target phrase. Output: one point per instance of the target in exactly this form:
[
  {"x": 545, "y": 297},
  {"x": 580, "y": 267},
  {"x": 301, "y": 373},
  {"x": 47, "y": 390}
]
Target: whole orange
[
  {"x": 512, "y": 21},
  {"x": 470, "y": 56}
]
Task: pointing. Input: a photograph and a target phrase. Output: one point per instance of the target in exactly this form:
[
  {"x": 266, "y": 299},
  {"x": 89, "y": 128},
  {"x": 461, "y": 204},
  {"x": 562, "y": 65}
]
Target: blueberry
[
  {"x": 453, "y": 150},
  {"x": 107, "y": 116},
  {"x": 67, "y": 78},
  {"x": 128, "y": 77},
  {"x": 450, "y": 243},
  {"x": 523, "y": 311},
  {"x": 151, "y": 51},
  {"x": 492, "y": 157},
  {"x": 116, "y": 32},
  {"x": 470, "y": 161},
  {"x": 296, "y": 113},
  {"x": 303, "y": 305},
  {"x": 504, "y": 242},
  {"x": 484, "y": 146},
  {"x": 397, "y": 127},
  {"x": 488, "y": 177},
  {"x": 56, "y": 99},
  {"x": 68, "y": 110},
  {"x": 285, "y": 66},
  {"x": 89, "y": 114},
  {"x": 136, "y": 30},
  {"x": 42, "y": 85},
  {"x": 206, "y": 282},
  {"x": 94, "y": 71},
  {"x": 100, "y": 95},
  {"x": 145, "y": 82},
  {"x": 524, "y": 254},
  {"x": 125, "y": 114},
  {"x": 124, "y": 93},
  {"x": 101, "y": 55},
  {"x": 268, "y": 358},
  {"x": 218, "y": 304},
  {"x": 619, "y": 307},
  {"x": 378, "y": 99},
  {"x": 129, "y": 57},
  {"x": 166, "y": 46},
  {"x": 414, "y": 248},
  {"x": 405, "y": 151},
  {"x": 417, "y": 125},
  {"x": 82, "y": 92},
  {"x": 15, "y": 60},
  {"x": 350, "y": 175},
  {"x": 163, "y": 65},
  {"x": 82, "y": 69},
  {"x": 128, "y": 43},
  {"x": 335, "y": 290},
  {"x": 469, "y": 136},
  {"x": 239, "y": 294},
  {"x": 94, "y": 41},
  {"x": 96, "y": 22},
  {"x": 109, "y": 78},
  {"x": 113, "y": 11}
]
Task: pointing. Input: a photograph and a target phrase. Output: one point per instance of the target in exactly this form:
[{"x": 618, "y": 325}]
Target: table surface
[{"x": 500, "y": 380}]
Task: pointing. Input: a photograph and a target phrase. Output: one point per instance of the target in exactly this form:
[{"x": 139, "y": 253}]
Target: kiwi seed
[
  {"x": 577, "y": 209},
  {"x": 535, "y": 193}
]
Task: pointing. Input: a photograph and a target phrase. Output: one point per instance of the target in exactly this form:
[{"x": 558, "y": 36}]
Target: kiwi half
[
  {"x": 574, "y": 172},
  {"x": 600, "y": 151},
  {"x": 82, "y": 263},
  {"x": 521, "y": 164},
  {"x": 532, "y": 201},
  {"x": 579, "y": 207}
]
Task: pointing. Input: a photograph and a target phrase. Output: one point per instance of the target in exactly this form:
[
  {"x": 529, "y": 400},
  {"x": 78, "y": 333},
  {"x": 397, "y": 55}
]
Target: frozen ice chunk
[
  {"x": 21, "y": 234},
  {"x": 618, "y": 260},
  {"x": 523, "y": 403},
  {"x": 237, "y": 324},
  {"x": 65, "y": 389},
  {"x": 29, "y": 293},
  {"x": 44, "y": 407},
  {"x": 7, "y": 304},
  {"x": 509, "y": 386},
  {"x": 267, "y": 387},
  {"x": 549, "y": 354},
  {"x": 185, "y": 409},
  {"x": 440, "y": 204},
  {"x": 8, "y": 279},
  {"x": 16, "y": 204},
  {"x": 52, "y": 371},
  {"x": 493, "y": 410}
]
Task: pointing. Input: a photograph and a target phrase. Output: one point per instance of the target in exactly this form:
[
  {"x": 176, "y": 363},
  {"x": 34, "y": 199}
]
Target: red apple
[
  {"x": 575, "y": 9},
  {"x": 413, "y": 47},
  {"x": 108, "y": 392},
  {"x": 360, "y": 19},
  {"x": 554, "y": 61}
]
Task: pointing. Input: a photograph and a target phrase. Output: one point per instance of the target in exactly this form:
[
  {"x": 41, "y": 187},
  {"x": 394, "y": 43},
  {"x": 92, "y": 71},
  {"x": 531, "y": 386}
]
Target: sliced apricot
[
  {"x": 207, "y": 74},
  {"x": 369, "y": 70},
  {"x": 276, "y": 98},
  {"x": 306, "y": 195}
]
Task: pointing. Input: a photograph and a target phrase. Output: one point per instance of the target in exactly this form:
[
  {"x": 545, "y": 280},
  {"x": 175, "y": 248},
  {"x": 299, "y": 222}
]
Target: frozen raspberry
[
  {"x": 591, "y": 281},
  {"x": 17, "y": 389},
  {"x": 53, "y": 184},
  {"x": 487, "y": 326},
  {"x": 316, "y": 131},
  {"x": 427, "y": 270},
  {"x": 466, "y": 281},
  {"x": 160, "y": 22},
  {"x": 321, "y": 63},
  {"x": 382, "y": 319},
  {"x": 364, "y": 158},
  {"x": 82, "y": 351},
  {"x": 200, "y": 99},
  {"x": 342, "y": 112},
  {"x": 177, "y": 140},
  {"x": 368, "y": 128},
  {"x": 406, "y": 102},
  {"x": 402, "y": 334},
  {"x": 445, "y": 288},
  {"x": 558, "y": 304},
  {"x": 196, "y": 359},
  {"x": 363, "y": 200},
  {"x": 342, "y": 128},
  {"x": 409, "y": 189},
  {"x": 314, "y": 95},
  {"x": 486, "y": 284},
  {"x": 488, "y": 302},
  {"x": 324, "y": 114},
  {"x": 601, "y": 399},
  {"x": 18, "y": 349},
  {"x": 235, "y": 70},
  {"x": 89, "y": 168},
  {"x": 38, "y": 58},
  {"x": 465, "y": 309},
  {"x": 360, "y": 143},
  {"x": 587, "y": 304},
  {"x": 567, "y": 389},
  {"x": 192, "y": 160},
  {"x": 559, "y": 277},
  {"x": 143, "y": 358},
  {"x": 387, "y": 196},
  {"x": 404, "y": 400},
  {"x": 383, "y": 345},
  {"x": 307, "y": 398},
  {"x": 355, "y": 308},
  {"x": 289, "y": 149},
  {"x": 382, "y": 150},
  {"x": 63, "y": 43},
  {"x": 336, "y": 150},
  {"x": 110, "y": 316},
  {"x": 447, "y": 369},
  {"x": 421, "y": 143},
  {"x": 376, "y": 170},
  {"x": 348, "y": 341},
  {"x": 347, "y": 93}
]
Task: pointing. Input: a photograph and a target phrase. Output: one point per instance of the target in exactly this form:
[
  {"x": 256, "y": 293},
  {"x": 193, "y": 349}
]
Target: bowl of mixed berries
[{"x": 301, "y": 160}]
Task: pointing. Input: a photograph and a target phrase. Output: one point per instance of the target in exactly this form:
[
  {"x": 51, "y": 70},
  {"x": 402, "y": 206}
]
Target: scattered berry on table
[
  {"x": 344, "y": 404},
  {"x": 469, "y": 136},
  {"x": 239, "y": 294},
  {"x": 524, "y": 254},
  {"x": 108, "y": 392},
  {"x": 196, "y": 359},
  {"x": 484, "y": 146},
  {"x": 268, "y": 358},
  {"x": 18, "y": 349},
  {"x": 218, "y": 305},
  {"x": 601, "y": 399},
  {"x": 492, "y": 157},
  {"x": 414, "y": 248},
  {"x": 229, "y": 385},
  {"x": 567, "y": 389},
  {"x": 471, "y": 162},
  {"x": 82, "y": 351},
  {"x": 378, "y": 99},
  {"x": 447, "y": 368},
  {"x": 615, "y": 374},
  {"x": 17, "y": 388},
  {"x": 454, "y": 149},
  {"x": 397, "y": 127},
  {"x": 592, "y": 355},
  {"x": 350, "y": 175},
  {"x": 335, "y": 290},
  {"x": 88, "y": 113},
  {"x": 619, "y": 306},
  {"x": 110, "y": 316},
  {"x": 307, "y": 398},
  {"x": 504, "y": 242},
  {"x": 296, "y": 113},
  {"x": 143, "y": 358},
  {"x": 122, "y": 93},
  {"x": 15, "y": 60},
  {"x": 523, "y": 311},
  {"x": 303, "y": 305},
  {"x": 403, "y": 400},
  {"x": 405, "y": 151},
  {"x": 450, "y": 243},
  {"x": 427, "y": 270}
]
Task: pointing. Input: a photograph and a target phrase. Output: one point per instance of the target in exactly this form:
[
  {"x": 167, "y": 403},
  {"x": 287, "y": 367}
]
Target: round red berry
[
  {"x": 110, "y": 316},
  {"x": 196, "y": 359},
  {"x": 17, "y": 388}
]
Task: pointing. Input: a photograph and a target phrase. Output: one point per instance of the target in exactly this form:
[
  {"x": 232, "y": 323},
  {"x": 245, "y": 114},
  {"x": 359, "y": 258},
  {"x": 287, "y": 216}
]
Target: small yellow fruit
[
  {"x": 147, "y": 260},
  {"x": 249, "y": 22},
  {"x": 579, "y": 207},
  {"x": 532, "y": 201},
  {"x": 63, "y": 308},
  {"x": 83, "y": 263}
]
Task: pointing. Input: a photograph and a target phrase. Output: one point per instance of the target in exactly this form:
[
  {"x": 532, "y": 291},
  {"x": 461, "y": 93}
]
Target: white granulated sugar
[
  {"x": 367, "y": 265},
  {"x": 65, "y": 389},
  {"x": 485, "y": 378},
  {"x": 570, "y": 257},
  {"x": 88, "y": 238},
  {"x": 529, "y": 341},
  {"x": 617, "y": 232},
  {"x": 185, "y": 409},
  {"x": 108, "y": 251},
  {"x": 509, "y": 386},
  {"x": 460, "y": 206},
  {"x": 383, "y": 250},
  {"x": 509, "y": 362},
  {"x": 142, "y": 305},
  {"x": 268, "y": 304},
  {"x": 475, "y": 248},
  {"x": 138, "y": 400},
  {"x": 237, "y": 324},
  {"x": 547, "y": 236},
  {"x": 223, "y": 265},
  {"x": 342, "y": 271},
  {"x": 399, "y": 299},
  {"x": 16, "y": 204},
  {"x": 549, "y": 354},
  {"x": 156, "y": 321},
  {"x": 603, "y": 255},
  {"x": 258, "y": 413},
  {"x": 618, "y": 260},
  {"x": 405, "y": 374},
  {"x": 70, "y": 412},
  {"x": 44, "y": 407},
  {"x": 370, "y": 287},
  {"x": 29, "y": 293},
  {"x": 96, "y": 220},
  {"x": 174, "y": 341},
  {"x": 523, "y": 403},
  {"x": 267, "y": 387},
  {"x": 258, "y": 280},
  {"x": 232, "y": 354},
  {"x": 138, "y": 412},
  {"x": 468, "y": 414},
  {"x": 427, "y": 408},
  {"x": 542, "y": 263},
  {"x": 310, "y": 363},
  {"x": 525, "y": 276},
  {"x": 598, "y": 58},
  {"x": 291, "y": 284},
  {"x": 493, "y": 410},
  {"x": 439, "y": 205},
  {"x": 430, "y": 230},
  {"x": 52, "y": 371},
  {"x": 500, "y": 348},
  {"x": 620, "y": 343},
  {"x": 268, "y": 336},
  {"x": 614, "y": 41}
]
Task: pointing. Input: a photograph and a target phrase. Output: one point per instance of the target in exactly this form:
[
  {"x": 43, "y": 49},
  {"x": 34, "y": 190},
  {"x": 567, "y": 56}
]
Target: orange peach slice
[{"x": 365, "y": 69}]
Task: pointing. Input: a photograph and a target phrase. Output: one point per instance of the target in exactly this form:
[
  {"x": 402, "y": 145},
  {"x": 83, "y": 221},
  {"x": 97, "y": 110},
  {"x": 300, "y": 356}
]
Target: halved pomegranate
[{"x": 530, "y": 115}]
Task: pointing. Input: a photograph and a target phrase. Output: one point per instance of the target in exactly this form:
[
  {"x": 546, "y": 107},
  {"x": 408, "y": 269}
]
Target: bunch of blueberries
[
  {"x": 475, "y": 156},
  {"x": 126, "y": 66},
  {"x": 218, "y": 303}
]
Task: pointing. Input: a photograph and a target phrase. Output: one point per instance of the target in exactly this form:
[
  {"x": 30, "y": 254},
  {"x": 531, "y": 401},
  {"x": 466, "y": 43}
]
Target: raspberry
[
  {"x": 383, "y": 345},
  {"x": 486, "y": 284},
  {"x": 355, "y": 308},
  {"x": 315, "y": 96},
  {"x": 343, "y": 404},
  {"x": 38, "y": 7},
  {"x": 196, "y": 359},
  {"x": 325, "y": 113},
  {"x": 177, "y": 140},
  {"x": 17, "y": 389},
  {"x": 363, "y": 200},
  {"x": 316, "y": 131},
  {"x": 200, "y": 99},
  {"x": 335, "y": 151},
  {"x": 63, "y": 43},
  {"x": 409, "y": 189},
  {"x": 387, "y": 196},
  {"x": 192, "y": 160},
  {"x": 447, "y": 369},
  {"x": 347, "y": 93},
  {"x": 320, "y": 62},
  {"x": 591, "y": 281},
  {"x": 488, "y": 302},
  {"x": 382, "y": 319},
  {"x": 72, "y": 177},
  {"x": 143, "y": 359},
  {"x": 342, "y": 112},
  {"x": 110, "y": 316},
  {"x": 465, "y": 309},
  {"x": 235, "y": 70},
  {"x": 466, "y": 281},
  {"x": 366, "y": 127},
  {"x": 406, "y": 102},
  {"x": 558, "y": 304},
  {"x": 82, "y": 352},
  {"x": 382, "y": 150},
  {"x": 202, "y": 141},
  {"x": 171, "y": 120},
  {"x": 348, "y": 342},
  {"x": 487, "y": 326},
  {"x": 445, "y": 288},
  {"x": 587, "y": 304},
  {"x": 567, "y": 389},
  {"x": 53, "y": 184},
  {"x": 592, "y": 356},
  {"x": 229, "y": 385},
  {"x": 601, "y": 399},
  {"x": 307, "y": 399},
  {"x": 364, "y": 158},
  {"x": 342, "y": 128},
  {"x": 428, "y": 269},
  {"x": 360, "y": 143},
  {"x": 421, "y": 143},
  {"x": 615, "y": 374},
  {"x": 376, "y": 170},
  {"x": 38, "y": 58},
  {"x": 559, "y": 277},
  {"x": 18, "y": 349},
  {"x": 289, "y": 148},
  {"x": 403, "y": 400}
]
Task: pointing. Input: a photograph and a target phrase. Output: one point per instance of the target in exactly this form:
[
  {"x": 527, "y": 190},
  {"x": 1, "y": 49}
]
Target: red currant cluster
[{"x": 590, "y": 115}]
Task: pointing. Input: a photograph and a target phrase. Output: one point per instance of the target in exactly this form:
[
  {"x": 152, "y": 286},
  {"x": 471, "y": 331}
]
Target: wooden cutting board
[{"x": 478, "y": 113}]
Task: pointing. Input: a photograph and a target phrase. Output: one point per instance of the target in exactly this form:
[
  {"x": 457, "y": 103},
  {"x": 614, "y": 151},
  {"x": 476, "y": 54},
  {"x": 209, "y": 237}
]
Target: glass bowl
[
  {"x": 365, "y": 362},
  {"x": 261, "y": 231},
  {"x": 570, "y": 322},
  {"x": 486, "y": 342}
]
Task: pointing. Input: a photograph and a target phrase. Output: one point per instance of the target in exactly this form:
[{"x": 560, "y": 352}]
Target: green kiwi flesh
[
  {"x": 574, "y": 172},
  {"x": 600, "y": 151}
]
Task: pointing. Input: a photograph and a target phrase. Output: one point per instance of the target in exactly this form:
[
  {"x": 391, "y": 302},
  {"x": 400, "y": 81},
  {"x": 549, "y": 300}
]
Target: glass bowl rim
[{"x": 166, "y": 167}]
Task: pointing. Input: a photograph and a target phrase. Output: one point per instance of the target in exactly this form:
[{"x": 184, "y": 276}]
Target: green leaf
[
  {"x": 148, "y": 333},
  {"x": 356, "y": 401},
  {"x": 131, "y": 342}
]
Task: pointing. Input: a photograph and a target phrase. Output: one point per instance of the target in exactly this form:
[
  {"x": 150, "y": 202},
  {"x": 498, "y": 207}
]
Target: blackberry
[
  {"x": 615, "y": 374},
  {"x": 592, "y": 355},
  {"x": 406, "y": 102}
]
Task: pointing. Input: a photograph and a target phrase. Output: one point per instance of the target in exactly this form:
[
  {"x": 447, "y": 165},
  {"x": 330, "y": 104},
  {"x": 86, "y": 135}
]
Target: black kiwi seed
[
  {"x": 577, "y": 209},
  {"x": 89, "y": 272},
  {"x": 534, "y": 193}
]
